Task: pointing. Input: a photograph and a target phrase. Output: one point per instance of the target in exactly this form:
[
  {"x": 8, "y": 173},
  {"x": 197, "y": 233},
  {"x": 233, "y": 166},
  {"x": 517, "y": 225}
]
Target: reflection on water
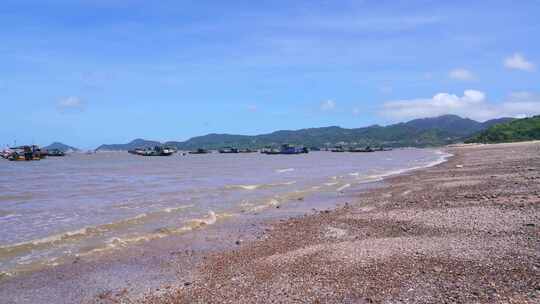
[{"x": 82, "y": 204}]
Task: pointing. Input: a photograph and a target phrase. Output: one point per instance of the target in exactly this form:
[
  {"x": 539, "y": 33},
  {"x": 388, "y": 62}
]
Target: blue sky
[{"x": 108, "y": 71}]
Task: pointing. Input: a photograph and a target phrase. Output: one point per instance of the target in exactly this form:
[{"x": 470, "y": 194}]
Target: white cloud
[
  {"x": 473, "y": 104},
  {"x": 356, "y": 111},
  {"x": 519, "y": 62},
  {"x": 461, "y": 74},
  {"x": 71, "y": 104},
  {"x": 328, "y": 105}
]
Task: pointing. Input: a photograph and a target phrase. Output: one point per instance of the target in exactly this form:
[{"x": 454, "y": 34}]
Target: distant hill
[
  {"x": 419, "y": 132},
  {"x": 137, "y": 143},
  {"x": 423, "y": 132},
  {"x": 60, "y": 146},
  {"x": 515, "y": 130}
]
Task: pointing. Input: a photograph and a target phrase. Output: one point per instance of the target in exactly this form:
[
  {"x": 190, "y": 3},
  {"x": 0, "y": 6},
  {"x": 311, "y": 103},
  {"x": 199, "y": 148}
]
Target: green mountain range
[
  {"x": 424, "y": 132},
  {"x": 515, "y": 130}
]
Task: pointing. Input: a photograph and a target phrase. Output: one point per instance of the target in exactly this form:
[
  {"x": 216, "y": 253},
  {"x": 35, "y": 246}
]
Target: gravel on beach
[{"x": 465, "y": 231}]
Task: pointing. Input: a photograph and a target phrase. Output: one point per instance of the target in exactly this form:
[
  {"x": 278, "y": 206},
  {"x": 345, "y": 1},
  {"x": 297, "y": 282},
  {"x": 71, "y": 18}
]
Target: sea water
[{"x": 82, "y": 204}]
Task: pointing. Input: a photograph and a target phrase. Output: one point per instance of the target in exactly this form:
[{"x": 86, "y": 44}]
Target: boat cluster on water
[
  {"x": 358, "y": 149},
  {"x": 33, "y": 152},
  {"x": 285, "y": 149},
  {"x": 28, "y": 153},
  {"x": 167, "y": 151},
  {"x": 156, "y": 151}
]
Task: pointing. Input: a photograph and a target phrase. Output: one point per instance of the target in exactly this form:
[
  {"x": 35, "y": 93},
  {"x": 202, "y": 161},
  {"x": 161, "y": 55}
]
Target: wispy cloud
[
  {"x": 461, "y": 74},
  {"x": 71, "y": 104},
  {"x": 473, "y": 104},
  {"x": 328, "y": 105},
  {"x": 252, "y": 108},
  {"x": 518, "y": 62}
]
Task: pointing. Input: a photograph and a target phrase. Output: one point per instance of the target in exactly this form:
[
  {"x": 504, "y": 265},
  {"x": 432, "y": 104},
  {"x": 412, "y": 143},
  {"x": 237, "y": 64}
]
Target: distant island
[
  {"x": 516, "y": 130},
  {"x": 425, "y": 132},
  {"x": 60, "y": 147},
  {"x": 137, "y": 143}
]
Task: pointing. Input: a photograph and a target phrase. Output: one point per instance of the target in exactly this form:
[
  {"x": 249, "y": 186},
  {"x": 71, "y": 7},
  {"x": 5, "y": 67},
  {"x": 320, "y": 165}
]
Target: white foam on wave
[
  {"x": 174, "y": 209},
  {"x": 343, "y": 187},
  {"x": 256, "y": 208},
  {"x": 255, "y": 187},
  {"x": 84, "y": 231},
  {"x": 285, "y": 170},
  {"x": 245, "y": 187},
  {"x": 5, "y": 274},
  {"x": 379, "y": 177},
  {"x": 7, "y": 216},
  {"x": 119, "y": 242}
]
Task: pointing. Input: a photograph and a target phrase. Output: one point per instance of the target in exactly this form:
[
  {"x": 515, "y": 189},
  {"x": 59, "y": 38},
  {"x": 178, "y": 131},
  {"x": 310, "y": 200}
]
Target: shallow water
[{"x": 83, "y": 204}]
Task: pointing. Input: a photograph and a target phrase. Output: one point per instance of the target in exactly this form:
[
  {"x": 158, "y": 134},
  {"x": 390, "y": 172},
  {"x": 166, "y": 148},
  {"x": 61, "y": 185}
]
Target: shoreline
[
  {"x": 466, "y": 230},
  {"x": 184, "y": 259},
  {"x": 127, "y": 268},
  {"x": 99, "y": 235}
]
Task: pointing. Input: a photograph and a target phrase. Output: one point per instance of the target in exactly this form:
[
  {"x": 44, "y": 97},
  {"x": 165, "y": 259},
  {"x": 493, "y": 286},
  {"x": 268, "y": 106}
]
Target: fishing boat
[
  {"x": 5, "y": 153},
  {"x": 270, "y": 151},
  {"x": 366, "y": 149},
  {"x": 338, "y": 149},
  {"x": 290, "y": 149},
  {"x": 26, "y": 153},
  {"x": 156, "y": 151},
  {"x": 199, "y": 151},
  {"x": 228, "y": 150},
  {"x": 55, "y": 153},
  {"x": 247, "y": 150},
  {"x": 285, "y": 149}
]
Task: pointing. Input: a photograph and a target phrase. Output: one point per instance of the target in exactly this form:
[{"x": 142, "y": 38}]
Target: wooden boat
[
  {"x": 5, "y": 153},
  {"x": 55, "y": 153},
  {"x": 228, "y": 150},
  {"x": 270, "y": 151},
  {"x": 156, "y": 151},
  {"x": 246, "y": 151},
  {"x": 366, "y": 149},
  {"x": 199, "y": 151},
  {"x": 285, "y": 149},
  {"x": 26, "y": 153},
  {"x": 338, "y": 149}
]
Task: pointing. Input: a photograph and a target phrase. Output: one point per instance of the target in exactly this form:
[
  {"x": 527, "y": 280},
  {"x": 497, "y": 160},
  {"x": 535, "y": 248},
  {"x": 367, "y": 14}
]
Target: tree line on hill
[
  {"x": 435, "y": 131},
  {"x": 425, "y": 132}
]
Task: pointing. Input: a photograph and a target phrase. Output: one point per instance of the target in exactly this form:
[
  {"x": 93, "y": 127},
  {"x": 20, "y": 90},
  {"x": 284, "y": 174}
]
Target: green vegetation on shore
[{"x": 513, "y": 131}]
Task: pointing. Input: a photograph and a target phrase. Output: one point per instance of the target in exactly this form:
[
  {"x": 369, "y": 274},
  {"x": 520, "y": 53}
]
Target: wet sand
[
  {"x": 151, "y": 267},
  {"x": 463, "y": 231},
  {"x": 466, "y": 231}
]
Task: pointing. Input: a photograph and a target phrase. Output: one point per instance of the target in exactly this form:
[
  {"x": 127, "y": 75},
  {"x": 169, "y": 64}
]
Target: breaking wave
[
  {"x": 284, "y": 170},
  {"x": 261, "y": 186},
  {"x": 70, "y": 236}
]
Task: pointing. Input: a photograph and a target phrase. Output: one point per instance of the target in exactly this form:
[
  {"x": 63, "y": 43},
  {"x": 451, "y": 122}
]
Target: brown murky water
[{"x": 82, "y": 204}]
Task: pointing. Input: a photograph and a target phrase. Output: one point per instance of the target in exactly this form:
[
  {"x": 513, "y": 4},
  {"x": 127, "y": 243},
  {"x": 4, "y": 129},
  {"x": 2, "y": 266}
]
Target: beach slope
[{"x": 465, "y": 231}]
